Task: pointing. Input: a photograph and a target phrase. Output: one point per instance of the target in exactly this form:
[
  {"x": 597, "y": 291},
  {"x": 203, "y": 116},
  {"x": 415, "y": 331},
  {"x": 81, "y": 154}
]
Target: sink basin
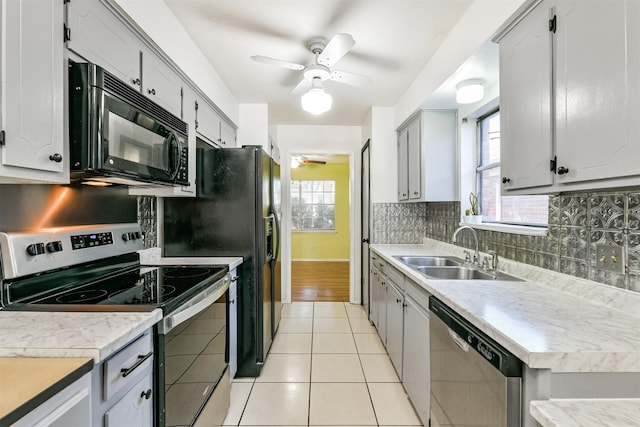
[
  {"x": 456, "y": 273},
  {"x": 463, "y": 273},
  {"x": 430, "y": 261},
  {"x": 451, "y": 268}
]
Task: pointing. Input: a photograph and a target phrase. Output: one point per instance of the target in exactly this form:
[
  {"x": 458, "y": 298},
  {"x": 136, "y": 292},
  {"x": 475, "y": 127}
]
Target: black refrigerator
[{"x": 233, "y": 214}]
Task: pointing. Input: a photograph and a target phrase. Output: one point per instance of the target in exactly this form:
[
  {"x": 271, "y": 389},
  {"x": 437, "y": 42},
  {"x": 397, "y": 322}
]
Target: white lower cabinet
[
  {"x": 395, "y": 302},
  {"x": 400, "y": 313},
  {"x": 123, "y": 386},
  {"x": 415, "y": 359},
  {"x": 70, "y": 407},
  {"x": 135, "y": 409}
]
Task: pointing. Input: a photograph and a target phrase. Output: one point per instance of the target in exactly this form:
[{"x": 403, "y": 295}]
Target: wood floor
[{"x": 320, "y": 281}]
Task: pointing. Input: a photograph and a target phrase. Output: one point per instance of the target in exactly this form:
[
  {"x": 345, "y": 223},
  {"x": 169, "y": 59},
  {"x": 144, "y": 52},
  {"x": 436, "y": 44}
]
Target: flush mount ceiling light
[
  {"x": 316, "y": 100},
  {"x": 469, "y": 91}
]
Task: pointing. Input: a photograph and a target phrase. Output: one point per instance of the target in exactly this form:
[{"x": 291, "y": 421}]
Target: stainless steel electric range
[{"x": 97, "y": 268}]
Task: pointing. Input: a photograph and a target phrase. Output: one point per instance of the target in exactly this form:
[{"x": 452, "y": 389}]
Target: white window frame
[{"x": 314, "y": 230}]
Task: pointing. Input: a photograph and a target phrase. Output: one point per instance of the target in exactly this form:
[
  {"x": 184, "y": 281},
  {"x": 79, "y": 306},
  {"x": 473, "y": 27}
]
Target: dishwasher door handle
[{"x": 464, "y": 346}]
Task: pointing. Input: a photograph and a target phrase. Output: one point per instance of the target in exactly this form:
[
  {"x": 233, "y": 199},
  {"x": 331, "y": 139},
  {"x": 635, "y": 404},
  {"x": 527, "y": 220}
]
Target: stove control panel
[
  {"x": 90, "y": 240},
  {"x": 37, "y": 251}
]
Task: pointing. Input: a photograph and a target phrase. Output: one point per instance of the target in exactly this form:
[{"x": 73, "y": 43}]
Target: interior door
[{"x": 364, "y": 226}]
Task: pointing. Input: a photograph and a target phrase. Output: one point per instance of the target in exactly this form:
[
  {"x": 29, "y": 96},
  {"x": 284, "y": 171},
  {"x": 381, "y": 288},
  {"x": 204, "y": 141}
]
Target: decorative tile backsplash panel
[
  {"x": 398, "y": 222},
  {"x": 148, "y": 220},
  {"x": 577, "y": 223}
]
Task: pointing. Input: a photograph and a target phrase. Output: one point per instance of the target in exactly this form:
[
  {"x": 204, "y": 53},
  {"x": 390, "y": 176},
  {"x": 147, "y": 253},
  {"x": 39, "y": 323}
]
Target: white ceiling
[{"x": 394, "y": 40}]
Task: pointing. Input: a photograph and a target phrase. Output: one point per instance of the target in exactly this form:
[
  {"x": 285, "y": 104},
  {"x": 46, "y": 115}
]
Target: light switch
[{"x": 610, "y": 258}]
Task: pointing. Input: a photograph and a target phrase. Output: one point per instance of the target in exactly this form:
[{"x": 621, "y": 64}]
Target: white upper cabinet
[
  {"x": 33, "y": 146},
  {"x": 588, "y": 66},
  {"x": 211, "y": 127},
  {"x": 99, "y": 35},
  {"x": 525, "y": 103},
  {"x": 597, "y": 98},
  {"x": 427, "y": 158}
]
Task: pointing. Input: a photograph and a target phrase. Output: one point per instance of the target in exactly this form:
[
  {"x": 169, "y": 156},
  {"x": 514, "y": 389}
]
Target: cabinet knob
[
  {"x": 505, "y": 179},
  {"x": 56, "y": 157},
  {"x": 135, "y": 82},
  {"x": 365, "y": 240},
  {"x": 562, "y": 170},
  {"x": 398, "y": 300},
  {"x": 404, "y": 194},
  {"x": 151, "y": 91},
  {"x": 415, "y": 193},
  {"x": 146, "y": 394}
]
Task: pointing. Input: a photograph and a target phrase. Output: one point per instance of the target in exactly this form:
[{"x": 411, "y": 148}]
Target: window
[
  {"x": 313, "y": 205},
  {"x": 520, "y": 210}
]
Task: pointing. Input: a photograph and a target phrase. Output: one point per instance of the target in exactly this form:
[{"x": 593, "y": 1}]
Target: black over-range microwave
[{"x": 119, "y": 136}]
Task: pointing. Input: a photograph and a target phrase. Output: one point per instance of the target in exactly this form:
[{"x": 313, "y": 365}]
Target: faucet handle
[
  {"x": 467, "y": 256},
  {"x": 494, "y": 260}
]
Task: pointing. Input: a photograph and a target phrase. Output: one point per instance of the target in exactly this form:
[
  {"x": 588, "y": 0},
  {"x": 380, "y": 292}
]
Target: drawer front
[
  {"x": 122, "y": 368},
  {"x": 417, "y": 293},
  {"x": 395, "y": 276},
  {"x": 135, "y": 408}
]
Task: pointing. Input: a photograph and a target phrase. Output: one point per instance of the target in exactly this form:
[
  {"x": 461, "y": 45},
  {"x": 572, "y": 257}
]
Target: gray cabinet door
[
  {"x": 382, "y": 308},
  {"x": 160, "y": 83},
  {"x": 525, "y": 103},
  {"x": 99, "y": 36},
  {"x": 403, "y": 172},
  {"x": 33, "y": 91},
  {"x": 134, "y": 409},
  {"x": 416, "y": 369},
  {"x": 395, "y": 332},
  {"x": 373, "y": 307},
  {"x": 414, "y": 160}
]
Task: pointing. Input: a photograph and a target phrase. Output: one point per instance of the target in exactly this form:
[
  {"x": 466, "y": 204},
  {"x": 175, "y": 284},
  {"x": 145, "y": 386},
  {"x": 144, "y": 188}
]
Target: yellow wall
[{"x": 325, "y": 245}]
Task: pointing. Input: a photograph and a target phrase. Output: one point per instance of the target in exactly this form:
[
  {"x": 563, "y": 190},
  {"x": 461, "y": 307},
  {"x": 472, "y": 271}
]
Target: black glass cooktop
[{"x": 156, "y": 286}]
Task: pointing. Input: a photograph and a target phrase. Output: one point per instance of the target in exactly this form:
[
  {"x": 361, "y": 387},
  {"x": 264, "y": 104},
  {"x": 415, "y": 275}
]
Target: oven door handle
[{"x": 186, "y": 314}]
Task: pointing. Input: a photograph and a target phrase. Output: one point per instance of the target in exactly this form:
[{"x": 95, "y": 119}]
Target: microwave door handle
[{"x": 171, "y": 153}]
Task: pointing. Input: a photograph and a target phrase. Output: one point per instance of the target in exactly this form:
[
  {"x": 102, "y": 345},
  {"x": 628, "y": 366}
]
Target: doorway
[{"x": 320, "y": 227}]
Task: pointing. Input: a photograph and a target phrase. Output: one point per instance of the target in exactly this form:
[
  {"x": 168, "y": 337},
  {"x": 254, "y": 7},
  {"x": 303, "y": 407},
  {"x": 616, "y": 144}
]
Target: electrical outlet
[{"x": 610, "y": 258}]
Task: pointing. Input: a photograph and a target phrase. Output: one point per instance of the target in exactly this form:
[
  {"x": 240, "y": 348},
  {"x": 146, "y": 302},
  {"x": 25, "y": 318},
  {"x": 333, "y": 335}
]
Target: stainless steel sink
[
  {"x": 451, "y": 268},
  {"x": 456, "y": 273},
  {"x": 430, "y": 261}
]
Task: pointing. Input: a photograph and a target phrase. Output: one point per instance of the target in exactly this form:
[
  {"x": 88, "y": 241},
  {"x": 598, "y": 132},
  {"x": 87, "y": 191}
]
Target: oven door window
[
  {"x": 195, "y": 361},
  {"x": 135, "y": 143}
]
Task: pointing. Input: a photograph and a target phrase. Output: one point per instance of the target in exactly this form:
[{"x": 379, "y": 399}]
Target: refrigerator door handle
[{"x": 278, "y": 236}]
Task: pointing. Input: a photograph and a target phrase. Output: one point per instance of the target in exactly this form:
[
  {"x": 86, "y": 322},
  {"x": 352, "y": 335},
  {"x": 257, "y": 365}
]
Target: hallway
[{"x": 326, "y": 367}]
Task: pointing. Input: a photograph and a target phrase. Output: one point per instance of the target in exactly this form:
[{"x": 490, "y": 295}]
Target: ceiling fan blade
[
  {"x": 314, "y": 162},
  {"x": 302, "y": 87},
  {"x": 277, "y": 62},
  {"x": 350, "y": 78},
  {"x": 337, "y": 47}
]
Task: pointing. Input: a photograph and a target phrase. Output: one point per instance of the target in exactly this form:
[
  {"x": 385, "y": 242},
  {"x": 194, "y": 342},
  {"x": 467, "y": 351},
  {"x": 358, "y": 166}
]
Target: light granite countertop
[
  {"x": 586, "y": 412},
  {"x": 94, "y": 335},
  {"x": 551, "y": 321}
]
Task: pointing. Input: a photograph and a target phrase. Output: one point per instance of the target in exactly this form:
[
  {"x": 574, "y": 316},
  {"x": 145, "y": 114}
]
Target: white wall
[
  {"x": 161, "y": 25},
  {"x": 254, "y": 125},
  {"x": 299, "y": 139},
  {"x": 384, "y": 156},
  {"x": 475, "y": 27}
]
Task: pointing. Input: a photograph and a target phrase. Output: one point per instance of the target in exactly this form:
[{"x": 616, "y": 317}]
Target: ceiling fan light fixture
[
  {"x": 316, "y": 101},
  {"x": 469, "y": 91}
]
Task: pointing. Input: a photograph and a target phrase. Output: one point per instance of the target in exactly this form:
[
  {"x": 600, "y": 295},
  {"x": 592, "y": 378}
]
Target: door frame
[
  {"x": 364, "y": 257},
  {"x": 354, "y": 219}
]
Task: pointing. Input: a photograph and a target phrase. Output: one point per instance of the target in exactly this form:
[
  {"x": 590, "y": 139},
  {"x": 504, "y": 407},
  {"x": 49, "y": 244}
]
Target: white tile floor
[{"x": 326, "y": 367}]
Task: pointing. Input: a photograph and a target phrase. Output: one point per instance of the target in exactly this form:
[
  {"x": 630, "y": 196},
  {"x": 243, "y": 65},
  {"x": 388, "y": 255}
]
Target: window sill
[{"x": 507, "y": 228}]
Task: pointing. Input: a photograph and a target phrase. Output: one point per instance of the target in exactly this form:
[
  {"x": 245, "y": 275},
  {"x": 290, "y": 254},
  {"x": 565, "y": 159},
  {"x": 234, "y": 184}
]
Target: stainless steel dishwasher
[{"x": 474, "y": 381}]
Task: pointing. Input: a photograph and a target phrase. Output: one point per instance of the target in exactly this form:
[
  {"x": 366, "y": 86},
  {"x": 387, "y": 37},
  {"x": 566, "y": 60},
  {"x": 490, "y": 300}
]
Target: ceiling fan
[
  {"x": 326, "y": 55},
  {"x": 301, "y": 161}
]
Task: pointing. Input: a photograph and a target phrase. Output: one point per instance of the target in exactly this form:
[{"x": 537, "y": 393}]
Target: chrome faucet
[{"x": 476, "y": 255}]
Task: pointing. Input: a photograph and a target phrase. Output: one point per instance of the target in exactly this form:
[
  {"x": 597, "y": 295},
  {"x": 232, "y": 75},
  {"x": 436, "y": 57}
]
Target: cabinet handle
[
  {"x": 415, "y": 193},
  {"x": 232, "y": 301},
  {"x": 398, "y": 301},
  {"x": 562, "y": 170},
  {"x": 141, "y": 359},
  {"x": 505, "y": 179},
  {"x": 151, "y": 91},
  {"x": 404, "y": 194},
  {"x": 135, "y": 82},
  {"x": 146, "y": 394},
  {"x": 234, "y": 278},
  {"x": 404, "y": 305},
  {"x": 56, "y": 157}
]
